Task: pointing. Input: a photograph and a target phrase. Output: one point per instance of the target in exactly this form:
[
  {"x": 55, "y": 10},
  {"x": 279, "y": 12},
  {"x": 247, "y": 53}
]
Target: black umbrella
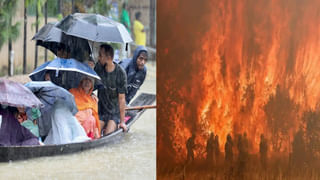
[
  {"x": 49, "y": 37},
  {"x": 52, "y": 38},
  {"x": 94, "y": 27}
]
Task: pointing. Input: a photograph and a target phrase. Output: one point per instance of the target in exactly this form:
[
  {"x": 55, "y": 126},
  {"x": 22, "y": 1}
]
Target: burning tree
[
  {"x": 281, "y": 113},
  {"x": 312, "y": 121}
]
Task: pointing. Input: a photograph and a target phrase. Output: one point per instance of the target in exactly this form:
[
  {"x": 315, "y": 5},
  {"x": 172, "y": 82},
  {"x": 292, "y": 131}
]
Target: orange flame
[{"x": 252, "y": 67}]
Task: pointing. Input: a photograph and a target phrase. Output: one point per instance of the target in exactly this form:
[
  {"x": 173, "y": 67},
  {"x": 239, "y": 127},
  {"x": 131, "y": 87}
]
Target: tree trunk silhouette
[
  {"x": 152, "y": 23},
  {"x": 25, "y": 39},
  {"x": 46, "y": 21},
  {"x": 72, "y": 6},
  {"x": 36, "y": 48},
  {"x": 9, "y": 51}
]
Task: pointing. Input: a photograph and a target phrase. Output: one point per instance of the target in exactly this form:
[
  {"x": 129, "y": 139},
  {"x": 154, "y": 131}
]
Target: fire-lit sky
[{"x": 228, "y": 66}]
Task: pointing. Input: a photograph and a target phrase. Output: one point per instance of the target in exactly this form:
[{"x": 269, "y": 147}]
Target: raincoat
[
  {"x": 135, "y": 76},
  {"x": 139, "y": 36},
  {"x": 12, "y": 133},
  {"x": 33, "y": 114},
  {"x": 87, "y": 110},
  {"x": 65, "y": 127}
]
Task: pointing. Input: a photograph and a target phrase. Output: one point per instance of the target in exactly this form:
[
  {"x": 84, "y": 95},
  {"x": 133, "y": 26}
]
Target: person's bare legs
[
  {"x": 102, "y": 123},
  {"x": 111, "y": 126}
]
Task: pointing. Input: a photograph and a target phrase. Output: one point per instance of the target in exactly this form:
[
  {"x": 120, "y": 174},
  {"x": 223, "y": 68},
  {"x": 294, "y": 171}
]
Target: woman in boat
[
  {"x": 12, "y": 133},
  {"x": 87, "y": 106}
]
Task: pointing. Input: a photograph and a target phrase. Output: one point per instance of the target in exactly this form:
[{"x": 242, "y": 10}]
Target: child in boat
[
  {"x": 11, "y": 131},
  {"x": 87, "y": 106},
  {"x": 21, "y": 115},
  {"x": 31, "y": 123},
  {"x": 28, "y": 119}
]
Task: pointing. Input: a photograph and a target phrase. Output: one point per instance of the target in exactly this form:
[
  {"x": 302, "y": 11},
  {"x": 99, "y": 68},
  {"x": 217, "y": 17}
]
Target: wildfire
[{"x": 253, "y": 69}]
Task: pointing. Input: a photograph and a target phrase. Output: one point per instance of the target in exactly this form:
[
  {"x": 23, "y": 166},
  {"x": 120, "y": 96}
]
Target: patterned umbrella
[{"x": 17, "y": 95}]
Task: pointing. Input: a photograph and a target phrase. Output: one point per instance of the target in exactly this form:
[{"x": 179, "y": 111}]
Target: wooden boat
[{"x": 12, "y": 153}]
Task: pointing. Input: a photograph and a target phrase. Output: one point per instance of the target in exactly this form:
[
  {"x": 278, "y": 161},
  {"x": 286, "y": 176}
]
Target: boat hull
[{"x": 13, "y": 153}]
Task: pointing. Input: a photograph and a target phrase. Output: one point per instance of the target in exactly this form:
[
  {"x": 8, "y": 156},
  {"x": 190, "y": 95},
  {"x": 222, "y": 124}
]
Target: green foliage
[
  {"x": 7, "y": 29},
  {"x": 37, "y": 5},
  {"x": 59, "y": 16},
  {"x": 100, "y": 7},
  {"x": 52, "y": 6},
  {"x": 115, "y": 45},
  {"x": 53, "y": 9}
]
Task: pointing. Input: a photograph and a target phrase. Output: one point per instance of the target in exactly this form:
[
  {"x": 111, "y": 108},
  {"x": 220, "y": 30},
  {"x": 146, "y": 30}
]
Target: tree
[
  {"x": 25, "y": 38},
  {"x": 8, "y": 31},
  {"x": 39, "y": 5},
  {"x": 45, "y": 22},
  {"x": 281, "y": 113},
  {"x": 298, "y": 149},
  {"x": 101, "y": 7},
  {"x": 312, "y": 121}
]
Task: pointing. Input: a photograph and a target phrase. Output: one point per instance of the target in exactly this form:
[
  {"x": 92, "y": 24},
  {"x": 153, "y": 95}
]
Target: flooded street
[{"x": 130, "y": 156}]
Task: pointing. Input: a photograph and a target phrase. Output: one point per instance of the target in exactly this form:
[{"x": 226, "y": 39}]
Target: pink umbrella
[{"x": 17, "y": 95}]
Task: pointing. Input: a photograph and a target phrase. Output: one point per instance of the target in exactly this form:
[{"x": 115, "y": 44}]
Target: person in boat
[
  {"x": 111, "y": 96},
  {"x": 87, "y": 106},
  {"x": 12, "y": 133},
  {"x": 31, "y": 123},
  {"x": 44, "y": 121},
  {"x": 65, "y": 127},
  {"x": 21, "y": 115},
  {"x": 50, "y": 75},
  {"x": 63, "y": 51},
  {"x": 91, "y": 63},
  {"x": 61, "y": 79},
  {"x": 28, "y": 119},
  {"x": 136, "y": 71}
]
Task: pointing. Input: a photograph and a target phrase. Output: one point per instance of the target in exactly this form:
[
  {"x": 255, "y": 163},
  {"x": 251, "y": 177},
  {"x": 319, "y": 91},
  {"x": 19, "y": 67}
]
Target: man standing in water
[{"x": 111, "y": 105}]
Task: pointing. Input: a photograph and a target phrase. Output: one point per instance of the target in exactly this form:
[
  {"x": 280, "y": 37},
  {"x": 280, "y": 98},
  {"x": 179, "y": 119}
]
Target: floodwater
[{"x": 130, "y": 156}]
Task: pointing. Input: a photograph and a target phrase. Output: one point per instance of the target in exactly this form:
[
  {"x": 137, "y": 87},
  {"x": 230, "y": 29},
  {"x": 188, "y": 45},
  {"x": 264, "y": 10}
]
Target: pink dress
[{"x": 88, "y": 122}]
